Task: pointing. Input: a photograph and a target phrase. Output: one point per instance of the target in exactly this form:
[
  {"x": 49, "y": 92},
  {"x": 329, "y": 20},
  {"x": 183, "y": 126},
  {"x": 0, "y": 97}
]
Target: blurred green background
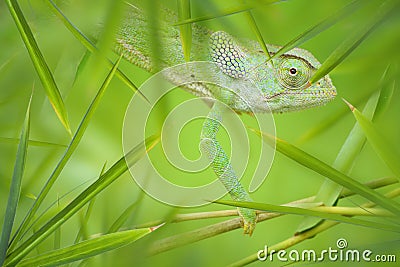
[{"x": 354, "y": 79}]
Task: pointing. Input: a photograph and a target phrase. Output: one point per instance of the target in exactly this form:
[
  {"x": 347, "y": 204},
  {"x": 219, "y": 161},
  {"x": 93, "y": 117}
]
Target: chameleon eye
[{"x": 293, "y": 73}]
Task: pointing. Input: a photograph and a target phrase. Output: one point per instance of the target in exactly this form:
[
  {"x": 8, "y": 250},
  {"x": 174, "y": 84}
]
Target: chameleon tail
[{"x": 222, "y": 167}]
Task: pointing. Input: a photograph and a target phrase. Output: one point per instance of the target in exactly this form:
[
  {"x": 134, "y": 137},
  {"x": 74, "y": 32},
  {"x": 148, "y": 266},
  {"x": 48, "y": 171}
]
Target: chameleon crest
[{"x": 226, "y": 54}]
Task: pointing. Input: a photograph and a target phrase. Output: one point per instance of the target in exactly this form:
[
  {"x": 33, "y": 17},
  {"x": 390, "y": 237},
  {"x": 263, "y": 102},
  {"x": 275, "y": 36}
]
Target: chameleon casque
[{"x": 281, "y": 84}]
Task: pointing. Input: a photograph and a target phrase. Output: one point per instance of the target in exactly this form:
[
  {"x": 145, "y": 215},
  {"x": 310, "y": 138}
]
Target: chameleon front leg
[{"x": 222, "y": 167}]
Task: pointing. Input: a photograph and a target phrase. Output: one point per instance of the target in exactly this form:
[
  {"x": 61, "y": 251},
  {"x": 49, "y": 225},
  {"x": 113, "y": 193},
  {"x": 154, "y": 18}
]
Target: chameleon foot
[{"x": 249, "y": 220}]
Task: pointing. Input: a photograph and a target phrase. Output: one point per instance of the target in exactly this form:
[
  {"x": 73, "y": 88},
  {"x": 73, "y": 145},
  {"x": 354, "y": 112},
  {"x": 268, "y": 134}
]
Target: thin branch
[
  {"x": 233, "y": 224},
  {"x": 354, "y": 211}
]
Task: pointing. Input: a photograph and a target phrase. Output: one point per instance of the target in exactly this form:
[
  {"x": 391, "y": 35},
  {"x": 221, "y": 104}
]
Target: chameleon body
[{"x": 281, "y": 84}]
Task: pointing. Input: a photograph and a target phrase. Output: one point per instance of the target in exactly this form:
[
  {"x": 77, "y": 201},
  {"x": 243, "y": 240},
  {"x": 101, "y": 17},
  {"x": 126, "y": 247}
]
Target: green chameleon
[{"x": 281, "y": 84}]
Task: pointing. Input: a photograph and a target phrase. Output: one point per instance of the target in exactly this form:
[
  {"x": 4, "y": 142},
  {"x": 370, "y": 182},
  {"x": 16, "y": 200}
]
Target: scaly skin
[{"x": 281, "y": 84}]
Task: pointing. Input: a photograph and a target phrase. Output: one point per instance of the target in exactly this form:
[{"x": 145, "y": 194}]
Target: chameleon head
[
  {"x": 283, "y": 82},
  {"x": 289, "y": 86}
]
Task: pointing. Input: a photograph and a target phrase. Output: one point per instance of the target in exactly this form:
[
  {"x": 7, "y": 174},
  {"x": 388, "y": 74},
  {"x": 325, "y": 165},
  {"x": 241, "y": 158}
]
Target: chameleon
[{"x": 281, "y": 84}]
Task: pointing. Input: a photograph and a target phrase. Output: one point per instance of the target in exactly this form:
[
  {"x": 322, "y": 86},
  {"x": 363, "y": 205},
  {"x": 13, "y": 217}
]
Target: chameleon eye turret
[{"x": 293, "y": 73}]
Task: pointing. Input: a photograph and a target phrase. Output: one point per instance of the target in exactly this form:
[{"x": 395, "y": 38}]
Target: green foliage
[
  {"x": 322, "y": 168},
  {"x": 39, "y": 62},
  {"x": 87, "y": 248},
  {"x": 310, "y": 212},
  {"x": 378, "y": 142},
  {"x": 15, "y": 189},
  {"x": 186, "y": 29},
  {"x": 73, "y": 74},
  {"x": 329, "y": 191}
]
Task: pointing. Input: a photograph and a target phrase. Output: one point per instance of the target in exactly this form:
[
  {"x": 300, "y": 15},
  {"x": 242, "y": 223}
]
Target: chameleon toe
[{"x": 249, "y": 220}]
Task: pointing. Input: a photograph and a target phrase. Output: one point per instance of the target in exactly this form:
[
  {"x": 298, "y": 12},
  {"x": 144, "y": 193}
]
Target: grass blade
[
  {"x": 68, "y": 153},
  {"x": 385, "y": 98},
  {"x": 320, "y": 27},
  {"x": 185, "y": 29},
  {"x": 310, "y": 212},
  {"x": 351, "y": 43},
  {"x": 39, "y": 62},
  {"x": 386, "y": 95},
  {"x": 378, "y": 142},
  {"x": 323, "y": 125},
  {"x": 88, "y": 44},
  {"x": 85, "y": 218},
  {"x": 329, "y": 191},
  {"x": 256, "y": 30},
  {"x": 31, "y": 142},
  {"x": 209, "y": 231},
  {"x": 57, "y": 232},
  {"x": 227, "y": 12},
  {"x": 324, "y": 169},
  {"x": 15, "y": 188},
  {"x": 122, "y": 218},
  {"x": 152, "y": 13},
  {"x": 86, "y": 249},
  {"x": 72, "y": 208}
]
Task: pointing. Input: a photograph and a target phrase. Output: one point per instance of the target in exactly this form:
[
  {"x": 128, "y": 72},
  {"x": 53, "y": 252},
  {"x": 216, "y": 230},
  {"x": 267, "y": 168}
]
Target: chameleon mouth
[{"x": 319, "y": 94}]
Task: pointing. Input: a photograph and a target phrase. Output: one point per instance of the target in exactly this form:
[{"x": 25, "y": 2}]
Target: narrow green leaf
[
  {"x": 88, "y": 44},
  {"x": 329, "y": 191},
  {"x": 385, "y": 98},
  {"x": 327, "y": 123},
  {"x": 185, "y": 29},
  {"x": 86, "y": 249},
  {"x": 6, "y": 63},
  {"x": 122, "y": 218},
  {"x": 39, "y": 62},
  {"x": 227, "y": 12},
  {"x": 213, "y": 230},
  {"x": 84, "y": 221},
  {"x": 320, "y": 27},
  {"x": 70, "y": 150},
  {"x": 82, "y": 64},
  {"x": 353, "y": 41},
  {"x": 377, "y": 140},
  {"x": 15, "y": 189},
  {"x": 106, "y": 38},
  {"x": 57, "y": 232},
  {"x": 257, "y": 32},
  {"x": 72, "y": 208},
  {"x": 31, "y": 142},
  {"x": 386, "y": 95},
  {"x": 152, "y": 13},
  {"x": 324, "y": 169},
  {"x": 82, "y": 233},
  {"x": 310, "y": 212}
]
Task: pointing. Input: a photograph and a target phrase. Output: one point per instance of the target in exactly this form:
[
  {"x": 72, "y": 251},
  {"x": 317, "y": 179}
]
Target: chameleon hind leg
[{"x": 222, "y": 167}]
